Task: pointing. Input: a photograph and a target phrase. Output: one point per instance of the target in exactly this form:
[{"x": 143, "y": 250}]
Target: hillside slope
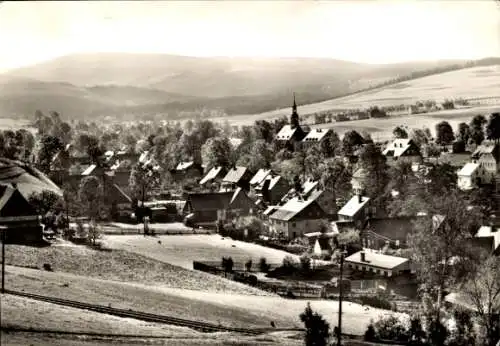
[
  {"x": 121, "y": 85},
  {"x": 475, "y": 82}
]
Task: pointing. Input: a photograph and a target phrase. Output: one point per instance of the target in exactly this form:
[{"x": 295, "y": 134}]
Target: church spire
[{"x": 294, "y": 118}]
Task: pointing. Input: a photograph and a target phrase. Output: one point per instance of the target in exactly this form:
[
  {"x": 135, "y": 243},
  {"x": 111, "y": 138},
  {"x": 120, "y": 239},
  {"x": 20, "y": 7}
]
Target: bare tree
[{"x": 482, "y": 290}]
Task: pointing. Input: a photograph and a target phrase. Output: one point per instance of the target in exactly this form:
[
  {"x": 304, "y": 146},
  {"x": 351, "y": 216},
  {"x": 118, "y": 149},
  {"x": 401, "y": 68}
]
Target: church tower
[{"x": 294, "y": 118}]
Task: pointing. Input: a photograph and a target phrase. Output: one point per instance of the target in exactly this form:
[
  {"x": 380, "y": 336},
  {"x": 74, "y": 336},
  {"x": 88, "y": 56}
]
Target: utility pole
[
  {"x": 339, "y": 337},
  {"x": 3, "y": 229}
]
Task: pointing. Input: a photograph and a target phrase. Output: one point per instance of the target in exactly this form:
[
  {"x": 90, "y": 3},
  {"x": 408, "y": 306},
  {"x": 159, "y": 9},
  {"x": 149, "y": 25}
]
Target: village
[{"x": 364, "y": 218}]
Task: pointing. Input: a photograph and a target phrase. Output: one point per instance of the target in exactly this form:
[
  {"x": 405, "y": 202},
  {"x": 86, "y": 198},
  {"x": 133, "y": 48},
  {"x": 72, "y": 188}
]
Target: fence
[{"x": 292, "y": 289}]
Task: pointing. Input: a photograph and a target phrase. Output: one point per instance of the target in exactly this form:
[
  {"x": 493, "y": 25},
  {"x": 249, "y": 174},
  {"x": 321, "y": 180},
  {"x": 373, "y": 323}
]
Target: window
[{"x": 294, "y": 224}]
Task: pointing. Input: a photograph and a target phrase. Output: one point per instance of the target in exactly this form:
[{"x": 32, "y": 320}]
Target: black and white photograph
[{"x": 250, "y": 173}]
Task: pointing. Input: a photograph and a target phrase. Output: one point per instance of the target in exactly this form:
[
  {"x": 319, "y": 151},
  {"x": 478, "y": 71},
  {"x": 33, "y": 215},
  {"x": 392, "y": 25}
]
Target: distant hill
[{"x": 150, "y": 84}]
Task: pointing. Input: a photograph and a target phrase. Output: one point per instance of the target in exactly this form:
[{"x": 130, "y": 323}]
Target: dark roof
[
  {"x": 402, "y": 225},
  {"x": 455, "y": 160},
  {"x": 210, "y": 200},
  {"x": 121, "y": 196},
  {"x": 324, "y": 243},
  {"x": 13, "y": 202}
]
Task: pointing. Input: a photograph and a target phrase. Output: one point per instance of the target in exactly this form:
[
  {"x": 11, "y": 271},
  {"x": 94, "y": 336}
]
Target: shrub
[
  {"x": 248, "y": 265},
  {"x": 227, "y": 264},
  {"x": 390, "y": 328},
  {"x": 305, "y": 263},
  {"x": 317, "y": 329},
  {"x": 289, "y": 262},
  {"x": 263, "y": 266},
  {"x": 370, "y": 334},
  {"x": 376, "y": 302}
]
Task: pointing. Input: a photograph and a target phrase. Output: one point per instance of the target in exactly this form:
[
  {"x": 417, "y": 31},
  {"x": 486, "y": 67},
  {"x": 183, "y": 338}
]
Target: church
[{"x": 290, "y": 136}]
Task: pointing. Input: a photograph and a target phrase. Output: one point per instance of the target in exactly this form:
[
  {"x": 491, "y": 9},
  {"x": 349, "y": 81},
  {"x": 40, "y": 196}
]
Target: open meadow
[
  {"x": 121, "y": 265},
  {"x": 226, "y": 309},
  {"x": 476, "y": 82},
  {"x": 183, "y": 250},
  {"x": 381, "y": 129}
]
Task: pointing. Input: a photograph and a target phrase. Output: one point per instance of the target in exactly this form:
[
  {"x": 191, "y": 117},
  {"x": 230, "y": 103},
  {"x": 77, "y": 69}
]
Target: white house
[
  {"x": 378, "y": 263},
  {"x": 468, "y": 176}
]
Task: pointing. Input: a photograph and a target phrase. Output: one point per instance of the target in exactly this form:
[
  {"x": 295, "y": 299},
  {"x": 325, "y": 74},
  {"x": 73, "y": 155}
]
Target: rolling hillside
[
  {"x": 475, "y": 82},
  {"x": 121, "y": 85}
]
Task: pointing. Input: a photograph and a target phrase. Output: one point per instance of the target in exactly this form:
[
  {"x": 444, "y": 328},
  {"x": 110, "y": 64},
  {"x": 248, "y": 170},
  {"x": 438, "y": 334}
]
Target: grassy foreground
[
  {"x": 227, "y": 309},
  {"x": 39, "y": 316},
  {"x": 120, "y": 265}
]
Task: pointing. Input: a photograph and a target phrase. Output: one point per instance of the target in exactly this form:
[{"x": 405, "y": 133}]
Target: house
[
  {"x": 356, "y": 209},
  {"x": 326, "y": 201},
  {"x": 290, "y": 136},
  {"x": 488, "y": 237},
  {"x": 187, "y": 170},
  {"x": 18, "y": 182},
  {"x": 212, "y": 206},
  {"x": 236, "y": 177},
  {"x": 121, "y": 170},
  {"x": 381, "y": 232},
  {"x": 213, "y": 176},
  {"x": 487, "y": 155},
  {"x": 272, "y": 189},
  {"x": 296, "y": 217},
  {"x": 315, "y": 137},
  {"x": 403, "y": 149},
  {"x": 377, "y": 263},
  {"x": 259, "y": 177},
  {"x": 469, "y": 176},
  {"x": 358, "y": 181}
]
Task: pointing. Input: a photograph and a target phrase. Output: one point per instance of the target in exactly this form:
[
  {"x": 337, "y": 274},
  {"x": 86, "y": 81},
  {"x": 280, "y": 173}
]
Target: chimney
[
  {"x": 360, "y": 198},
  {"x": 363, "y": 256}
]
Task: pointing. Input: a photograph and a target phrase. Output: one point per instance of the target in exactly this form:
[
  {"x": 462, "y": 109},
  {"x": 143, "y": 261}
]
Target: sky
[{"x": 372, "y": 31}]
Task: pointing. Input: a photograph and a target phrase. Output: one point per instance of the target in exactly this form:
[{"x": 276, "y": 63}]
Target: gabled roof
[
  {"x": 343, "y": 226},
  {"x": 89, "y": 170},
  {"x": 295, "y": 206},
  {"x": 487, "y": 232},
  {"x": 286, "y": 133},
  {"x": 235, "y": 174},
  {"x": 214, "y": 200},
  {"x": 468, "y": 169},
  {"x": 271, "y": 209},
  {"x": 273, "y": 180},
  {"x": 375, "y": 259},
  {"x": 26, "y": 178},
  {"x": 122, "y": 197},
  {"x": 316, "y": 135},
  {"x": 402, "y": 225},
  {"x": 144, "y": 157},
  {"x": 259, "y": 177},
  {"x": 352, "y": 207},
  {"x": 398, "y": 147},
  {"x": 487, "y": 147},
  {"x": 211, "y": 175},
  {"x": 308, "y": 186},
  {"x": 184, "y": 165},
  {"x": 210, "y": 200}
]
